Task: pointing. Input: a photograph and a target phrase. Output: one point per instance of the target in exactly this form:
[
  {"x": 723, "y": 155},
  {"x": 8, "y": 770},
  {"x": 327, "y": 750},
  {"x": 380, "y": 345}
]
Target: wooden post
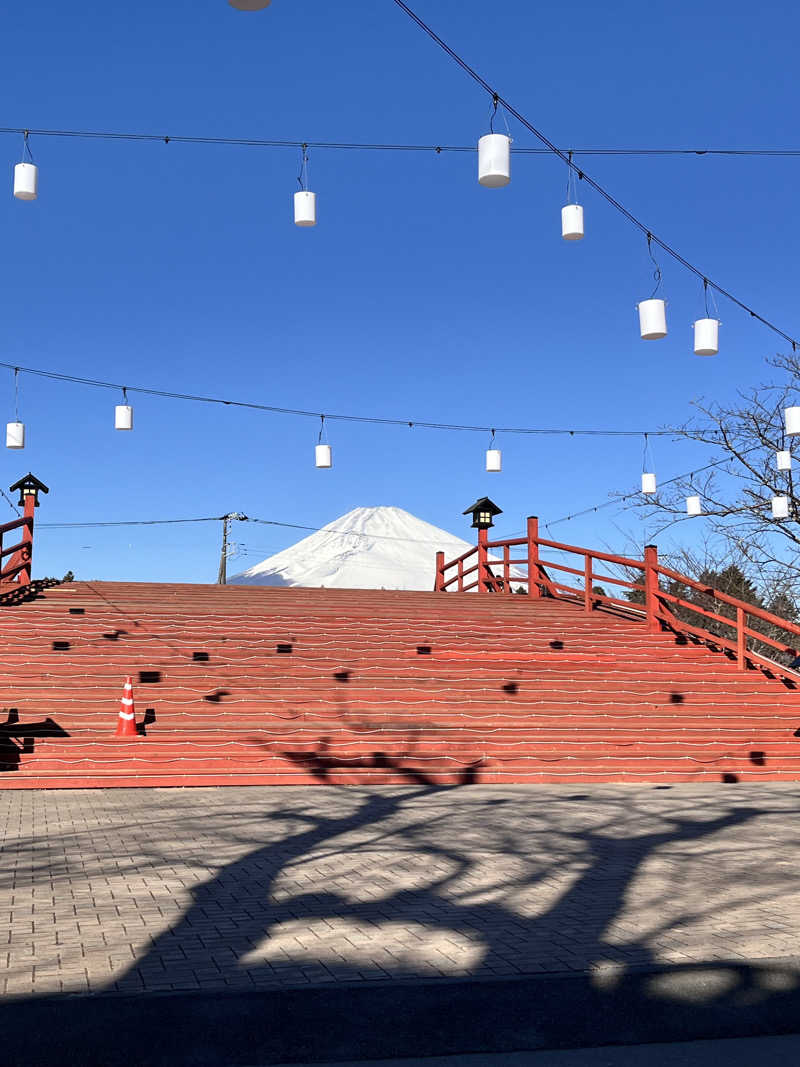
[
  {"x": 439, "y": 580},
  {"x": 483, "y": 555},
  {"x": 651, "y": 602},
  {"x": 26, "y": 552},
  {"x": 587, "y": 583},
  {"x": 741, "y": 639},
  {"x": 506, "y": 568},
  {"x": 461, "y": 576},
  {"x": 534, "y": 588}
]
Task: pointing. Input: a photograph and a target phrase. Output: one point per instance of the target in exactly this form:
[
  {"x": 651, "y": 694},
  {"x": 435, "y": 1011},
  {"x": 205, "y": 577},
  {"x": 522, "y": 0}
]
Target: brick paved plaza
[{"x": 251, "y": 888}]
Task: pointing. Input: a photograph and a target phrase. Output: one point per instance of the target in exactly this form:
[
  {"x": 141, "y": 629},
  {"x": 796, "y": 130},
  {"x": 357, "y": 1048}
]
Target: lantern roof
[
  {"x": 30, "y": 481},
  {"x": 484, "y": 504}
]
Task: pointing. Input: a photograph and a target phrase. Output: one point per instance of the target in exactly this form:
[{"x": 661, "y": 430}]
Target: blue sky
[{"x": 419, "y": 295}]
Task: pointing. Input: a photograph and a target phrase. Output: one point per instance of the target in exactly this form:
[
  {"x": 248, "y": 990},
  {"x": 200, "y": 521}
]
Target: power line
[
  {"x": 367, "y": 146},
  {"x": 272, "y": 409},
  {"x": 630, "y": 496},
  {"x": 607, "y": 196}
]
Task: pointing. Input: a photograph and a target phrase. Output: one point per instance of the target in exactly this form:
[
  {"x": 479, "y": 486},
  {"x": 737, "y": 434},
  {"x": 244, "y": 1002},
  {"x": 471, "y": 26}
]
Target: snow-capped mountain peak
[{"x": 368, "y": 548}]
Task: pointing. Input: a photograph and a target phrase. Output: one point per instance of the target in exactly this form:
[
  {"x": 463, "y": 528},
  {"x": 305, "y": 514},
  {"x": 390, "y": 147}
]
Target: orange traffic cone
[{"x": 126, "y": 724}]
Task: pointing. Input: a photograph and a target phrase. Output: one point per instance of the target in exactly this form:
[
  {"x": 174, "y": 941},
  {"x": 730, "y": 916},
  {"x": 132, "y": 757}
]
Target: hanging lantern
[
  {"x": 648, "y": 483},
  {"x": 572, "y": 222},
  {"x": 15, "y": 435},
  {"x": 792, "y": 417},
  {"x": 323, "y": 456},
  {"x": 780, "y": 507},
  {"x": 26, "y": 181},
  {"x": 305, "y": 208},
  {"x": 653, "y": 319},
  {"x": 706, "y": 337},
  {"x": 494, "y": 160},
  {"x": 693, "y": 505},
  {"x": 494, "y": 460},
  {"x": 123, "y": 417},
  {"x": 784, "y": 458}
]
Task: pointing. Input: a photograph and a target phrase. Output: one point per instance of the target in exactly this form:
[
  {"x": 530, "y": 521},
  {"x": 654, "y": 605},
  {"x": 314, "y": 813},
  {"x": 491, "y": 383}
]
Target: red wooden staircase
[{"x": 247, "y": 685}]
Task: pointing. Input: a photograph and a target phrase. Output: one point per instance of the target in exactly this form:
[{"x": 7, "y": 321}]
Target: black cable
[
  {"x": 368, "y": 419},
  {"x": 612, "y": 200},
  {"x": 254, "y": 142}
]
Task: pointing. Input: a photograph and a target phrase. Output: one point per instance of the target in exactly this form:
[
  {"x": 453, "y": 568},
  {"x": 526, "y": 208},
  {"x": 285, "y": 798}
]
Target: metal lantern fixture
[
  {"x": 482, "y": 512},
  {"x": 28, "y": 487},
  {"x": 784, "y": 460}
]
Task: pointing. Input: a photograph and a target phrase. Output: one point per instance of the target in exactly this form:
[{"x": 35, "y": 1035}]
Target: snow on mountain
[{"x": 368, "y": 548}]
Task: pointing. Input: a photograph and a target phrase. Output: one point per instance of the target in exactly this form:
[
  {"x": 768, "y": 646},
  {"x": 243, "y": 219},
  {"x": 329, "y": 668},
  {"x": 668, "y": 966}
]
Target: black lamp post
[
  {"x": 483, "y": 511},
  {"x": 29, "y": 489}
]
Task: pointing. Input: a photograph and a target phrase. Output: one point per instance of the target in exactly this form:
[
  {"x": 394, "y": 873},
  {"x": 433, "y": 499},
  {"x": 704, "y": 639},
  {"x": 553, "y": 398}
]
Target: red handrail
[
  {"x": 657, "y": 609},
  {"x": 17, "y": 571}
]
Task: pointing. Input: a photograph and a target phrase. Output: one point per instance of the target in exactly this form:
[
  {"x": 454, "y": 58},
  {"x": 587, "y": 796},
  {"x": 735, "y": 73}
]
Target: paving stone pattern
[{"x": 257, "y": 887}]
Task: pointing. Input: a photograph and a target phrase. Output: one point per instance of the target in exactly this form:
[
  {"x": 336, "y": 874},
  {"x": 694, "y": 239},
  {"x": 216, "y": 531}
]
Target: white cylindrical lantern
[
  {"x": 784, "y": 458},
  {"x": 780, "y": 507},
  {"x": 648, "y": 483},
  {"x": 706, "y": 337},
  {"x": 15, "y": 435},
  {"x": 494, "y": 160},
  {"x": 323, "y": 456},
  {"x": 26, "y": 181},
  {"x": 123, "y": 417},
  {"x": 572, "y": 222},
  {"x": 792, "y": 417},
  {"x": 494, "y": 460},
  {"x": 693, "y": 505},
  {"x": 305, "y": 208},
  {"x": 653, "y": 319}
]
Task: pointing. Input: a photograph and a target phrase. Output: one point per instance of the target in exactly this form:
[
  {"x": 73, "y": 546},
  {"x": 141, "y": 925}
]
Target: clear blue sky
[{"x": 418, "y": 295}]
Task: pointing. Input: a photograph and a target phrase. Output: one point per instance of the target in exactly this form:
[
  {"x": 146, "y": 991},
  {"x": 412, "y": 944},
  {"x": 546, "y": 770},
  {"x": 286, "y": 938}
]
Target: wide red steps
[{"x": 276, "y": 686}]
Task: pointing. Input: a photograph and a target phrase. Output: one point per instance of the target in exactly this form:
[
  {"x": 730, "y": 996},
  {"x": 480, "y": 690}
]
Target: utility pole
[{"x": 222, "y": 576}]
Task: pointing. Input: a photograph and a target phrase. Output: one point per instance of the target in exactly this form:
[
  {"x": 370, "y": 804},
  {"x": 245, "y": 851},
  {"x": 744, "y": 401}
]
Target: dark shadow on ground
[
  {"x": 631, "y": 1003},
  {"x": 19, "y": 738}
]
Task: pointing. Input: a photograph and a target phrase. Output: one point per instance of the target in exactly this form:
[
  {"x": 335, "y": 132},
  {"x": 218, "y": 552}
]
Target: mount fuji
[{"x": 368, "y": 548}]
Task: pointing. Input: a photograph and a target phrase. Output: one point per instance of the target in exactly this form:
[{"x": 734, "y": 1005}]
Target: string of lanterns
[{"x": 494, "y": 172}]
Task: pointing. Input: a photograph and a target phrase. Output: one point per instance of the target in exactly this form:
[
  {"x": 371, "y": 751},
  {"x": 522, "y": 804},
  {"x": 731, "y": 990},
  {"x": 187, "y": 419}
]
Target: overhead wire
[
  {"x": 370, "y": 146},
  {"x": 598, "y": 188},
  {"x": 273, "y": 409}
]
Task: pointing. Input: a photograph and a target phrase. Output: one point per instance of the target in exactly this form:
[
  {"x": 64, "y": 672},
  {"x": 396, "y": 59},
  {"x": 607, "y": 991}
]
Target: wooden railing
[
  {"x": 655, "y": 605},
  {"x": 15, "y": 560}
]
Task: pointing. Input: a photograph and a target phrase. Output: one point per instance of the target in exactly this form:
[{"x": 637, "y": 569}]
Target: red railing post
[
  {"x": 652, "y": 607},
  {"x": 741, "y": 639},
  {"x": 533, "y": 557},
  {"x": 483, "y": 555},
  {"x": 439, "y": 581},
  {"x": 506, "y": 568},
  {"x": 461, "y": 576},
  {"x": 587, "y": 582}
]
